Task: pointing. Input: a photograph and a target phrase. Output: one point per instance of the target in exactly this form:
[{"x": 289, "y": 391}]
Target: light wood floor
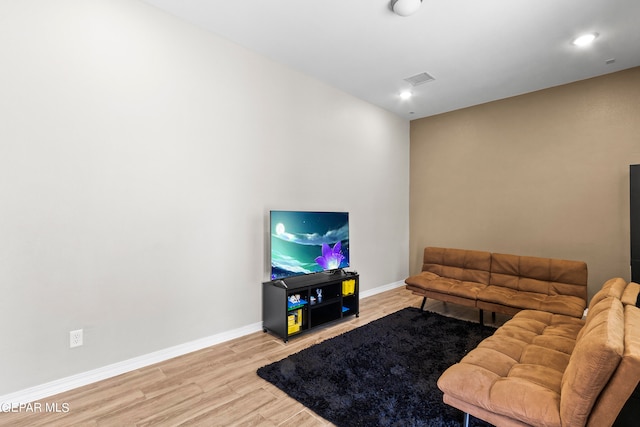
[{"x": 216, "y": 386}]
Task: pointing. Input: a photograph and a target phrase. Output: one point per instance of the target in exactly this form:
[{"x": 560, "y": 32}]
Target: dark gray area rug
[{"x": 383, "y": 373}]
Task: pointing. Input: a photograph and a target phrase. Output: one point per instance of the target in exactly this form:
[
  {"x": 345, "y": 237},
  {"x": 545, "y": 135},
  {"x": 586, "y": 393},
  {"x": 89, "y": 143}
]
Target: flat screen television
[{"x": 308, "y": 242}]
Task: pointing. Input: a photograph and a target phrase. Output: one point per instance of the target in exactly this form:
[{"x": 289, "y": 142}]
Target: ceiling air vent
[{"x": 419, "y": 79}]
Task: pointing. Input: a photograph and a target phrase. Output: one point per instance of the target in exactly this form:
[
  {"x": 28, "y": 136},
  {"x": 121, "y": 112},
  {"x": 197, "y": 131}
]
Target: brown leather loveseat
[
  {"x": 545, "y": 369},
  {"x": 501, "y": 283}
]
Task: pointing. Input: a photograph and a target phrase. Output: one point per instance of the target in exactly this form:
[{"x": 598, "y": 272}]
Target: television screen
[{"x": 308, "y": 242}]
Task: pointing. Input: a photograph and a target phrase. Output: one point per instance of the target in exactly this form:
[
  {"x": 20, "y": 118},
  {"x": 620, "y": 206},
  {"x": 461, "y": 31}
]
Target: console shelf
[{"x": 296, "y": 305}]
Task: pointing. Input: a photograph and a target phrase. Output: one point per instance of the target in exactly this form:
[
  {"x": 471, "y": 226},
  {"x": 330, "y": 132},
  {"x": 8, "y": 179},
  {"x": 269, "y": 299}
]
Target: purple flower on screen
[{"x": 331, "y": 258}]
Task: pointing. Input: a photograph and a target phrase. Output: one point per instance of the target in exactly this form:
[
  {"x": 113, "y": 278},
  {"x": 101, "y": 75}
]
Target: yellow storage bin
[
  {"x": 294, "y": 321},
  {"x": 293, "y": 329},
  {"x": 348, "y": 287}
]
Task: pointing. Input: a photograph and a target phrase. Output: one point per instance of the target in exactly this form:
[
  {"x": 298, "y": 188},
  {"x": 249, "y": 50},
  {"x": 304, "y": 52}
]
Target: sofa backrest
[
  {"x": 459, "y": 264},
  {"x": 631, "y": 293},
  {"x": 625, "y": 379},
  {"x": 597, "y": 353},
  {"x": 614, "y": 287},
  {"x": 541, "y": 275}
]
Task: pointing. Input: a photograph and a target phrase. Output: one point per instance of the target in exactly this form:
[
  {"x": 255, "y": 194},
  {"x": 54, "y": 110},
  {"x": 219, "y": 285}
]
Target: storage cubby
[{"x": 298, "y": 304}]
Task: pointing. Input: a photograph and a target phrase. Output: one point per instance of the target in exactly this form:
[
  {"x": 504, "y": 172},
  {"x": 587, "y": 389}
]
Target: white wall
[{"x": 139, "y": 157}]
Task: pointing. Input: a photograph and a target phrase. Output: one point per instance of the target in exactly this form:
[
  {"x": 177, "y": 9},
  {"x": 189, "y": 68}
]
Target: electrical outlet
[{"x": 75, "y": 338}]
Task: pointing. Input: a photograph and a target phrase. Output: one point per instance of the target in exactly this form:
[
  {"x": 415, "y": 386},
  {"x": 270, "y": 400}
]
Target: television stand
[{"x": 297, "y": 305}]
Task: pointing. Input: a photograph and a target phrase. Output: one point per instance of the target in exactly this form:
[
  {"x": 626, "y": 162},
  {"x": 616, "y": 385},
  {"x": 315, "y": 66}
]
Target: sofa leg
[
  {"x": 424, "y": 300},
  {"x": 481, "y": 317},
  {"x": 465, "y": 422}
]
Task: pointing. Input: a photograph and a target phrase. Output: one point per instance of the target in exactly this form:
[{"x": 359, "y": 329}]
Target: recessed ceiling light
[
  {"x": 405, "y": 7},
  {"x": 405, "y": 95},
  {"x": 585, "y": 39}
]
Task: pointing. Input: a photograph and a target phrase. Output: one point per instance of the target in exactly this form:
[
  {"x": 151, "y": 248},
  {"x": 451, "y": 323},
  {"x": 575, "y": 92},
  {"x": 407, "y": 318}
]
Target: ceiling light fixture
[
  {"x": 405, "y": 95},
  {"x": 585, "y": 39},
  {"x": 405, "y": 7}
]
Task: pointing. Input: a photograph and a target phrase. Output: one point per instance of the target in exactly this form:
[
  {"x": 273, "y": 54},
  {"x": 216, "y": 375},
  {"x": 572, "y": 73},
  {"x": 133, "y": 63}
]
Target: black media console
[{"x": 298, "y": 304}]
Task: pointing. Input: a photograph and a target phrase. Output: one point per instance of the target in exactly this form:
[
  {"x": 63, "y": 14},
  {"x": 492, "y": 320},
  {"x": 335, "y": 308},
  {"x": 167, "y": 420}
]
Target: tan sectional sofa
[
  {"x": 545, "y": 369},
  {"x": 501, "y": 283}
]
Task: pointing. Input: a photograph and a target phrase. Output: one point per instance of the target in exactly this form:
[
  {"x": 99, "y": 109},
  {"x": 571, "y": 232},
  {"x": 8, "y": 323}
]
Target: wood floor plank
[
  {"x": 131, "y": 415},
  {"x": 191, "y": 408},
  {"x": 305, "y": 418},
  {"x": 282, "y": 409},
  {"x": 216, "y": 386},
  {"x": 234, "y": 411}
]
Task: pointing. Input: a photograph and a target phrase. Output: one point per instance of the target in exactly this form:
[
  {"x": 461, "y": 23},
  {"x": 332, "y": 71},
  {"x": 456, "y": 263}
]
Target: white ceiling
[{"x": 477, "y": 50}]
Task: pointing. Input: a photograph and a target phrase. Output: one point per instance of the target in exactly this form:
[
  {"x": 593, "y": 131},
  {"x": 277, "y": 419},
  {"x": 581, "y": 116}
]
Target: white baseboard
[
  {"x": 42, "y": 391},
  {"x": 381, "y": 289},
  {"x": 62, "y": 385}
]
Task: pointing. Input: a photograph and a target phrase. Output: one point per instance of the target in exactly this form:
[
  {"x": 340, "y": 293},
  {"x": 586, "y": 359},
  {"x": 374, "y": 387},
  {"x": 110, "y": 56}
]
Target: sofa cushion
[
  {"x": 460, "y": 264},
  {"x": 560, "y": 304},
  {"x": 432, "y": 282},
  {"x": 596, "y": 356}
]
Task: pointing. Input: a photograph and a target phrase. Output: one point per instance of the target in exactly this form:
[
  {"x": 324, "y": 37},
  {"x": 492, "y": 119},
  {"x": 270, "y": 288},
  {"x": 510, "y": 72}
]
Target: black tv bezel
[{"x": 324, "y": 272}]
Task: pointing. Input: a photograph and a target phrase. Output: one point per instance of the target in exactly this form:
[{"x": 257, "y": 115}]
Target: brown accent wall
[{"x": 541, "y": 174}]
